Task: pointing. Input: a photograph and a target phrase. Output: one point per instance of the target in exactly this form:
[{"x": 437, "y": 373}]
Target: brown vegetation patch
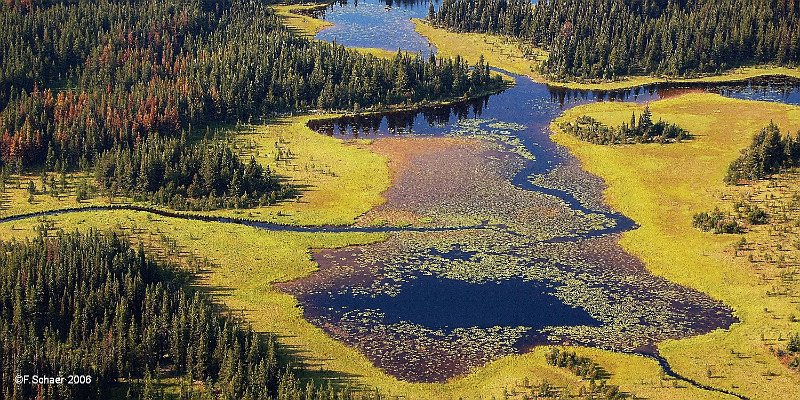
[{"x": 458, "y": 181}]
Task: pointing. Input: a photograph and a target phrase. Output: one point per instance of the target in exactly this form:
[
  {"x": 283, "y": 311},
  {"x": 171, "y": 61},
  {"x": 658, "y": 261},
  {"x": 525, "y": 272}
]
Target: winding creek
[
  {"x": 517, "y": 248},
  {"x": 427, "y": 306}
]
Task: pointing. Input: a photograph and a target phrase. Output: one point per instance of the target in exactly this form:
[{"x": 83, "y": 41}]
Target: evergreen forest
[
  {"x": 79, "y": 78},
  {"x": 90, "y": 305},
  {"x": 184, "y": 176},
  {"x": 605, "y": 39}
]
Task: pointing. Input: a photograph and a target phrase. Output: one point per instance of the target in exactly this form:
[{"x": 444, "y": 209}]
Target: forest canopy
[
  {"x": 183, "y": 176},
  {"x": 83, "y": 77},
  {"x": 591, "y": 39},
  {"x": 92, "y": 305}
]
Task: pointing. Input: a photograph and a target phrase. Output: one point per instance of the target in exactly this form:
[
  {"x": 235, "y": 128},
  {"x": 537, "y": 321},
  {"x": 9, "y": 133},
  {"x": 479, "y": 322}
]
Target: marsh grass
[{"x": 661, "y": 187}]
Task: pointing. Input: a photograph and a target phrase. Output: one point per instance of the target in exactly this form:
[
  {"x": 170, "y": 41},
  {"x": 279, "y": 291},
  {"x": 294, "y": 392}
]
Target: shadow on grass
[
  {"x": 313, "y": 368},
  {"x": 307, "y": 367}
]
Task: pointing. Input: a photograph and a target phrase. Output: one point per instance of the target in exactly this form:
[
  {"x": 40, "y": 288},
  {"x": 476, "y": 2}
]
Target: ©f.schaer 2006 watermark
[{"x": 53, "y": 380}]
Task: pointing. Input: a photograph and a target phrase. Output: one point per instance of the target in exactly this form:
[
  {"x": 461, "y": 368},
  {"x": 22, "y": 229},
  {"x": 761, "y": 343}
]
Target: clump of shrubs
[
  {"x": 643, "y": 130},
  {"x": 791, "y": 355},
  {"x": 716, "y": 221},
  {"x": 720, "y": 222},
  {"x": 585, "y": 368}
]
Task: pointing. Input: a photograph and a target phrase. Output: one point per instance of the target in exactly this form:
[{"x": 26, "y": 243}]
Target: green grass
[
  {"x": 661, "y": 187},
  {"x": 302, "y": 25},
  {"x": 339, "y": 180}
]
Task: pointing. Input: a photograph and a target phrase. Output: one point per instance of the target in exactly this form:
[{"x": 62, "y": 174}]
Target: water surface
[{"x": 430, "y": 305}]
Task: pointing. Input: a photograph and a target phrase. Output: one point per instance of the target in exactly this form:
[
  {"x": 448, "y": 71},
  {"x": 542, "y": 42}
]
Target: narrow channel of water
[
  {"x": 426, "y": 307},
  {"x": 434, "y": 302}
]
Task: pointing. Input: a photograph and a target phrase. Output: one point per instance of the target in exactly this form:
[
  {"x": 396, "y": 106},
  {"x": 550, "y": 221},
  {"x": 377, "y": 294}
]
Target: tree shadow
[
  {"x": 307, "y": 366},
  {"x": 313, "y": 368}
]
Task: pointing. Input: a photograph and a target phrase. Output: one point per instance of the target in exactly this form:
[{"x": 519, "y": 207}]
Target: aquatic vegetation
[
  {"x": 495, "y": 131},
  {"x": 629, "y": 309},
  {"x": 436, "y": 354},
  {"x": 473, "y": 186}
]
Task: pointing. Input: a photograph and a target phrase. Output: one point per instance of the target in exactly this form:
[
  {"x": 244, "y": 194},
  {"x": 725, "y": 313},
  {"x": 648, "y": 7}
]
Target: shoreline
[
  {"x": 660, "y": 187},
  {"x": 475, "y": 44}
]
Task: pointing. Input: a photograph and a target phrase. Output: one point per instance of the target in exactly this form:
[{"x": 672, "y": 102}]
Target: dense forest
[
  {"x": 593, "y": 39},
  {"x": 89, "y": 304},
  {"x": 184, "y": 176},
  {"x": 641, "y": 130},
  {"x": 768, "y": 153},
  {"x": 83, "y": 77}
]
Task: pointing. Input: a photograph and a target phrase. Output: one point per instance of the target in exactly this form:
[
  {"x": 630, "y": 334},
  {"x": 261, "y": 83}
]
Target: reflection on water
[
  {"x": 435, "y": 120},
  {"x": 431, "y": 306},
  {"x": 381, "y": 24}
]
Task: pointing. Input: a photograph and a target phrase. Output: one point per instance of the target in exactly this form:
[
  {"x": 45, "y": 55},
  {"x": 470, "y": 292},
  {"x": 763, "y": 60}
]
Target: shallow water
[
  {"x": 426, "y": 305},
  {"x": 367, "y": 23}
]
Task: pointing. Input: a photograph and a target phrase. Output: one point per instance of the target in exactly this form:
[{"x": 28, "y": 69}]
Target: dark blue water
[{"x": 441, "y": 303}]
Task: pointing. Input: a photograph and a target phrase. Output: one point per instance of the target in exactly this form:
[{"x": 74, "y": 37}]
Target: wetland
[
  {"x": 494, "y": 238},
  {"x": 428, "y": 306}
]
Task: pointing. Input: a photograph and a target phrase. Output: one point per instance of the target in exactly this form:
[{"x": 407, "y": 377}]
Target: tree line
[
  {"x": 641, "y": 130},
  {"x": 768, "y": 153},
  {"x": 585, "y": 368},
  {"x": 82, "y": 77},
  {"x": 591, "y": 39},
  {"x": 201, "y": 176},
  {"x": 89, "y": 304}
]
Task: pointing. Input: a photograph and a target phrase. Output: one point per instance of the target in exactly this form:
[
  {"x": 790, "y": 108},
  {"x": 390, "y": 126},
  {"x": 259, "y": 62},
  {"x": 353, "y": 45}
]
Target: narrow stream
[
  {"x": 537, "y": 260},
  {"x": 562, "y": 280}
]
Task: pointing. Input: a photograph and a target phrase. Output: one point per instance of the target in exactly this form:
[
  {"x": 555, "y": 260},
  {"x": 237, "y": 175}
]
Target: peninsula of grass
[
  {"x": 298, "y": 18},
  {"x": 661, "y": 188},
  {"x": 505, "y": 53}
]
